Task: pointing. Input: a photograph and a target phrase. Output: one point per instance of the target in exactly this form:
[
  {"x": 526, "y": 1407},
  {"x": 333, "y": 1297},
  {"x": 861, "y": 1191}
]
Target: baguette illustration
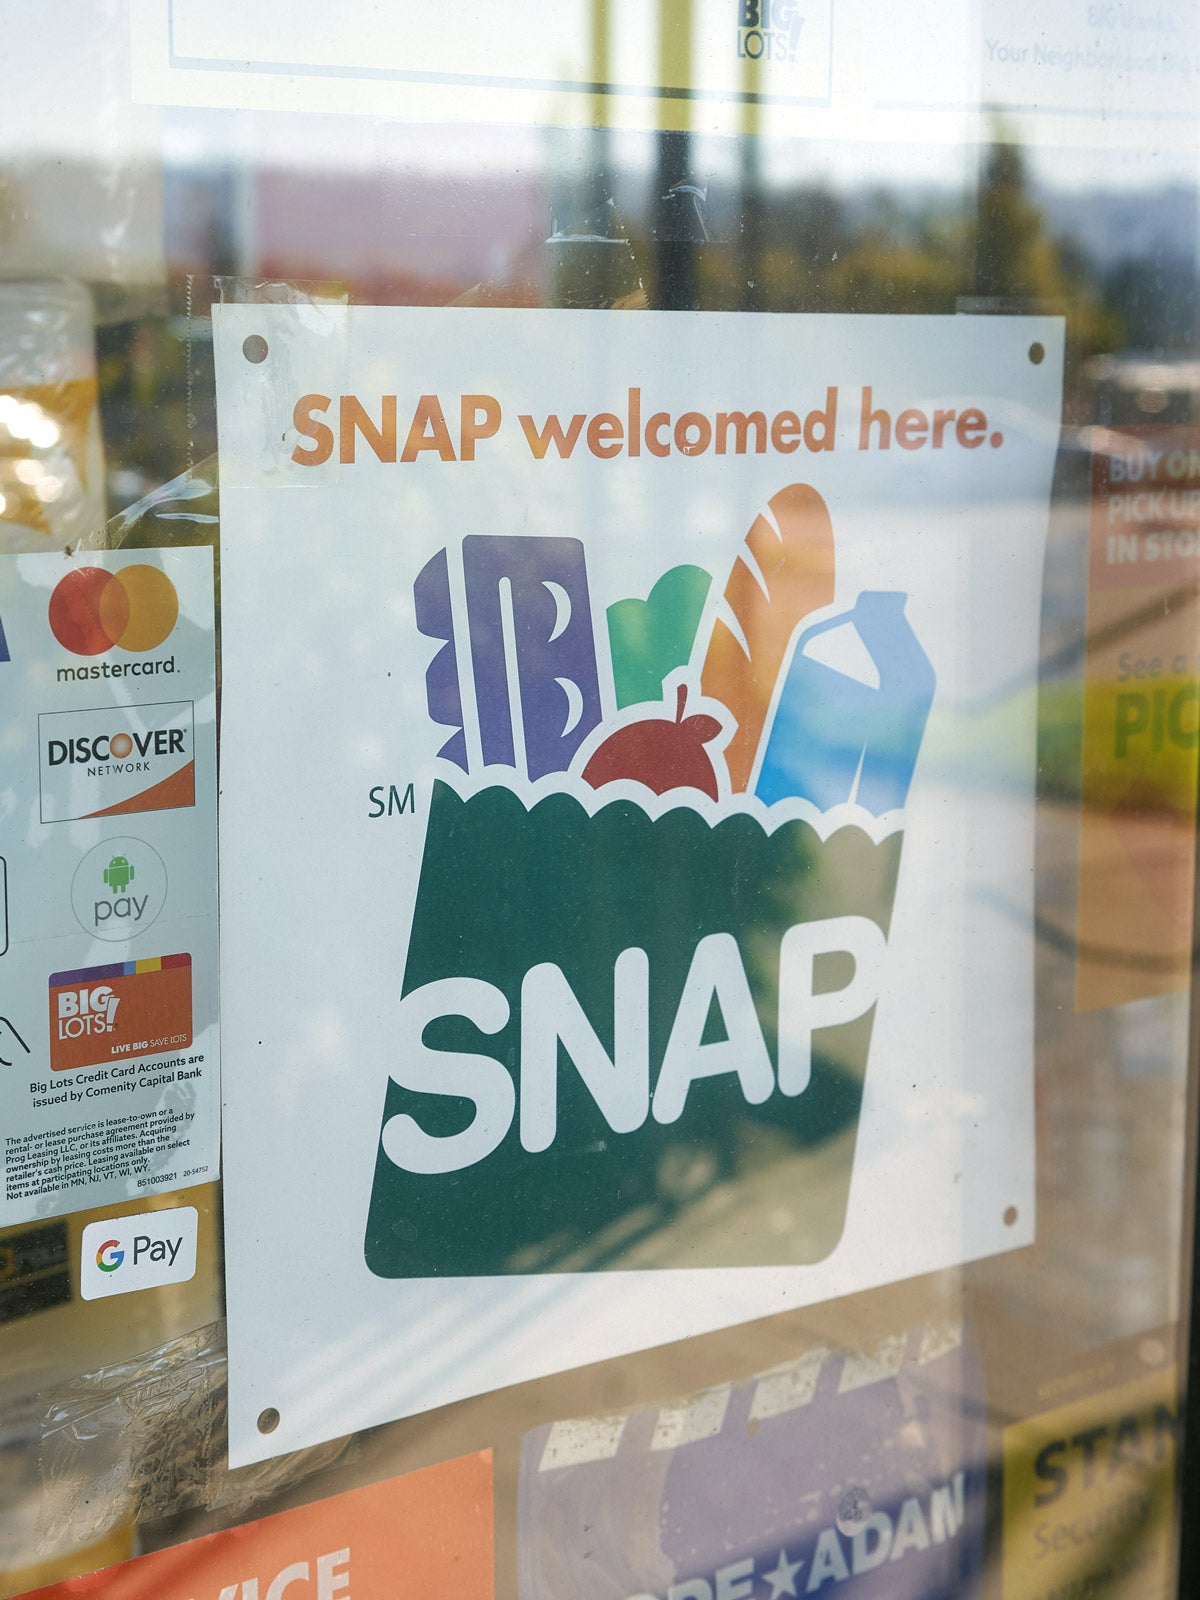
[{"x": 786, "y": 573}]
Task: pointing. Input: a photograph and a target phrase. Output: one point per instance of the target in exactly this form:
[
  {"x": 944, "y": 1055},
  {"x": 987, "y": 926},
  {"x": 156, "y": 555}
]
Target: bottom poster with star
[{"x": 856, "y": 1471}]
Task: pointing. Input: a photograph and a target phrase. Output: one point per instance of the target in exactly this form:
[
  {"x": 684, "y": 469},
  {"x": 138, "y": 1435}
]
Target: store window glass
[{"x": 599, "y": 705}]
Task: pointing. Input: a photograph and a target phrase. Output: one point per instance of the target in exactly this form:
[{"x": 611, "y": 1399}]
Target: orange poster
[
  {"x": 1141, "y": 718},
  {"x": 428, "y": 1533}
]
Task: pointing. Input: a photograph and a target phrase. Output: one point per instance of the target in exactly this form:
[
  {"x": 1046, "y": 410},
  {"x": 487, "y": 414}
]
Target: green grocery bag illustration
[{"x": 631, "y": 979}]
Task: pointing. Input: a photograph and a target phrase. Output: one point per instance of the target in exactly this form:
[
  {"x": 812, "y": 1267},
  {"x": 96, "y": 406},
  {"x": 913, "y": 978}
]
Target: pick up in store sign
[{"x": 629, "y": 737}]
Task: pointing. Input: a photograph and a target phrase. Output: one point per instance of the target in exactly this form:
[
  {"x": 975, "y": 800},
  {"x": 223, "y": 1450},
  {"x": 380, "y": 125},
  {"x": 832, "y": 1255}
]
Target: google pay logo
[
  {"x": 110, "y": 1255},
  {"x": 122, "y": 1254}
]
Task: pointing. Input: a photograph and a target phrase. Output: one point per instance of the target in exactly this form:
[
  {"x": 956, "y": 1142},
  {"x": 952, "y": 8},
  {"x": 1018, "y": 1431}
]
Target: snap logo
[
  {"x": 123, "y": 1254},
  {"x": 652, "y": 917}
]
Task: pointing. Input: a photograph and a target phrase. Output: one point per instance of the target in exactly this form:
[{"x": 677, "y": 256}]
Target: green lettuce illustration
[{"x": 650, "y": 638}]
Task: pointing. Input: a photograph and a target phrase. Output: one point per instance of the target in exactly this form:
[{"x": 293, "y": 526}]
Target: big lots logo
[
  {"x": 769, "y": 28},
  {"x": 86, "y": 1011},
  {"x": 647, "y": 956}
]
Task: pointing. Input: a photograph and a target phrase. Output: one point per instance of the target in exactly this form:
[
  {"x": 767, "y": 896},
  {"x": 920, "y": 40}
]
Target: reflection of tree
[
  {"x": 1017, "y": 258},
  {"x": 1013, "y": 254},
  {"x": 891, "y": 252}
]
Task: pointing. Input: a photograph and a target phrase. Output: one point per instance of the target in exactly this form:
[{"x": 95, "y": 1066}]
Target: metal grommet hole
[
  {"x": 254, "y": 348},
  {"x": 1037, "y": 353},
  {"x": 268, "y": 1420}
]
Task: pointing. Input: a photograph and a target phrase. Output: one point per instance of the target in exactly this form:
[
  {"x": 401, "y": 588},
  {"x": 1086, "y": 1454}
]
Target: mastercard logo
[{"x": 92, "y": 610}]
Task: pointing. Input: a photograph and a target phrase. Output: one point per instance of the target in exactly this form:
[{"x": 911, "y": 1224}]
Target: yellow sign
[
  {"x": 1089, "y": 1495},
  {"x": 1141, "y": 725}
]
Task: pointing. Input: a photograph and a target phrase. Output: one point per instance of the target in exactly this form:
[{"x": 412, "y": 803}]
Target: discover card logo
[
  {"x": 116, "y": 760},
  {"x": 654, "y": 901},
  {"x": 122, "y": 1254}
]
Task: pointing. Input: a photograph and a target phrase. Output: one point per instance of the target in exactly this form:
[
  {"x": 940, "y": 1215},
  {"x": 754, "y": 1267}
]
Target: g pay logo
[
  {"x": 110, "y": 1255},
  {"x": 92, "y": 610},
  {"x": 151, "y": 1248}
]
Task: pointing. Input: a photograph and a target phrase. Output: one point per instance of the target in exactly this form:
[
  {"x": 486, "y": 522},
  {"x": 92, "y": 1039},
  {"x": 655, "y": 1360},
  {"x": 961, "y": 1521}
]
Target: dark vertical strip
[{"x": 1188, "y": 1462}]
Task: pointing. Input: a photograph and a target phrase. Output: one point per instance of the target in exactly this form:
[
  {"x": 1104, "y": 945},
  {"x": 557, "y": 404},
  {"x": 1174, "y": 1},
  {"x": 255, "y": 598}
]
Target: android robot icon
[{"x": 119, "y": 874}]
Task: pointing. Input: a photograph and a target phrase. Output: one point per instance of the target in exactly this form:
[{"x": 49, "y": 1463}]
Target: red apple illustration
[{"x": 661, "y": 753}]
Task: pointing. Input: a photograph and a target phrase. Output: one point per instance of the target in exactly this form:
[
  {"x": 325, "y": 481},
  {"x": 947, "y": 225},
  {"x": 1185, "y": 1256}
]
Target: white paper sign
[
  {"x": 627, "y": 829},
  {"x": 119, "y": 1255},
  {"x": 109, "y": 1064},
  {"x": 1098, "y": 73}
]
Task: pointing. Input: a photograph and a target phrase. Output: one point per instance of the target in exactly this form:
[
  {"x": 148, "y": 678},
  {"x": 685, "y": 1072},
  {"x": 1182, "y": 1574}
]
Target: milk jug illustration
[{"x": 837, "y": 737}]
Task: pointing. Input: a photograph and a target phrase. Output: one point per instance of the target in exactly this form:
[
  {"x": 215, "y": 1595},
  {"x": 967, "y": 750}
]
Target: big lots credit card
[{"x": 130, "y": 1008}]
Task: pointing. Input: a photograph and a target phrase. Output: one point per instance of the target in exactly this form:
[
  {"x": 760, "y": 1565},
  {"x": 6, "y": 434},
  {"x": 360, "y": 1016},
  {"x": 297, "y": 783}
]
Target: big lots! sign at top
[{"x": 659, "y": 996}]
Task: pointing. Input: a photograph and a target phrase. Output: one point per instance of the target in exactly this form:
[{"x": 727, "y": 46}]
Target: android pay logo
[
  {"x": 120, "y": 1255},
  {"x": 119, "y": 874},
  {"x": 119, "y": 889},
  {"x": 651, "y": 923}
]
